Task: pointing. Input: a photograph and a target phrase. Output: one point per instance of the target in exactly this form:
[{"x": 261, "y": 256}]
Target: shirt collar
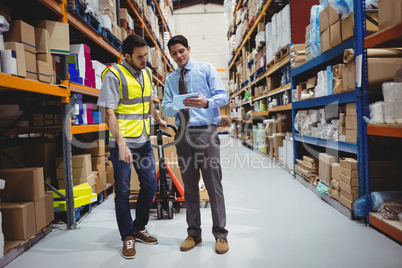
[
  {"x": 130, "y": 68},
  {"x": 188, "y": 66}
]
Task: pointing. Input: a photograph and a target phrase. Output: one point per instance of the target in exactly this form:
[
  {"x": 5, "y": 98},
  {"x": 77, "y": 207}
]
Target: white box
[
  {"x": 289, "y": 154},
  {"x": 1, "y": 245},
  {"x": 9, "y": 61},
  {"x": 106, "y": 22}
]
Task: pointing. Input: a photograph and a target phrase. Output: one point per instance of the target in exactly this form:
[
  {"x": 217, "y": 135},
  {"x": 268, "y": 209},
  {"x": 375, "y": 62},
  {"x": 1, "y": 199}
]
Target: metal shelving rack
[
  {"x": 389, "y": 37},
  {"x": 332, "y": 56},
  {"x": 64, "y": 90}
]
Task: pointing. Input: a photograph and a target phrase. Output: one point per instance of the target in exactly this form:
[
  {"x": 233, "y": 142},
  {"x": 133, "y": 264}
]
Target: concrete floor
[{"x": 273, "y": 221}]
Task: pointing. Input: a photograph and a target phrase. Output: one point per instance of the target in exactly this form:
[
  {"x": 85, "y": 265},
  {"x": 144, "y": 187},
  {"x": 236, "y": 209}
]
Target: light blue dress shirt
[{"x": 202, "y": 78}]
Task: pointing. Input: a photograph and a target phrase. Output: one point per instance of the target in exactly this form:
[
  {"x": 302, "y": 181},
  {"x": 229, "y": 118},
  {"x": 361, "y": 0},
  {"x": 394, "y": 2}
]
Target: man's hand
[
  {"x": 125, "y": 153},
  {"x": 162, "y": 124},
  {"x": 196, "y": 102}
]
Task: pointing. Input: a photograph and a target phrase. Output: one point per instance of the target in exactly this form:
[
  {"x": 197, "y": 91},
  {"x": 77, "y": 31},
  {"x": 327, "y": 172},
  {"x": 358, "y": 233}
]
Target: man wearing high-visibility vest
[{"x": 126, "y": 96}]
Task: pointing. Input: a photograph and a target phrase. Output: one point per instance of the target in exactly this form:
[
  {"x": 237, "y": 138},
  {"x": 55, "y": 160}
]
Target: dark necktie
[{"x": 184, "y": 114}]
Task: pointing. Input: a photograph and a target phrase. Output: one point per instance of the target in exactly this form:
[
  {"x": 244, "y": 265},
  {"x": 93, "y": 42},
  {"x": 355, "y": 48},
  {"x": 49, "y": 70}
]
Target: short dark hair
[
  {"x": 178, "y": 39},
  {"x": 131, "y": 42}
]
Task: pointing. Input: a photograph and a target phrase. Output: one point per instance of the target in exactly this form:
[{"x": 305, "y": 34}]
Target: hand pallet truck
[{"x": 170, "y": 189}]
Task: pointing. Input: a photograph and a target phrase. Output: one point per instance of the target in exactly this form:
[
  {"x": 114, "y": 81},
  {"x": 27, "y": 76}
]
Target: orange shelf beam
[
  {"x": 383, "y": 36},
  {"x": 286, "y": 107},
  {"x": 77, "y": 88},
  {"x": 88, "y": 128},
  {"x": 386, "y": 228},
  {"x": 385, "y": 130},
  {"x": 162, "y": 18},
  {"x": 18, "y": 83},
  {"x": 263, "y": 113}
]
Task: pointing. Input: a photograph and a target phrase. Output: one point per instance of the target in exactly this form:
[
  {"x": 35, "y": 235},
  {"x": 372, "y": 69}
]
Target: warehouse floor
[{"x": 273, "y": 221}]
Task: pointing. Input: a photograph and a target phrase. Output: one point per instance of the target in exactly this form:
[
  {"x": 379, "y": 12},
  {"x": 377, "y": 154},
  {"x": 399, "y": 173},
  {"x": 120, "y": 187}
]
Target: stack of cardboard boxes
[
  {"x": 297, "y": 55},
  {"x": 349, "y": 182},
  {"x": 81, "y": 168},
  {"x": 81, "y": 56},
  {"x": 351, "y": 122},
  {"x": 25, "y": 207},
  {"x": 98, "y": 162},
  {"x": 334, "y": 192},
  {"x": 307, "y": 168},
  {"x": 325, "y": 168},
  {"x": 330, "y": 29}
]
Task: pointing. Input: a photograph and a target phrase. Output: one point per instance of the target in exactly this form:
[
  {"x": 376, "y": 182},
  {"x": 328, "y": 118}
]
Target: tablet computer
[{"x": 178, "y": 100}]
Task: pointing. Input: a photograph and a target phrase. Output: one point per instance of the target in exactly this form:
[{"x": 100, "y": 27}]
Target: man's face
[
  {"x": 180, "y": 54},
  {"x": 138, "y": 59}
]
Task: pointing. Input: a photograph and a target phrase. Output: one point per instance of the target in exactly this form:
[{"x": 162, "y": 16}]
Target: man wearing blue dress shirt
[{"x": 198, "y": 144}]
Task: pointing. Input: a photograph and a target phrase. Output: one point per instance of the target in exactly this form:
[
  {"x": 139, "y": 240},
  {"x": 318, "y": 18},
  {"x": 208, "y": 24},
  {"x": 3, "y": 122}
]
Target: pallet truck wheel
[
  {"x": 170, "y": 209},
  {"x": 159, "y": 210}
]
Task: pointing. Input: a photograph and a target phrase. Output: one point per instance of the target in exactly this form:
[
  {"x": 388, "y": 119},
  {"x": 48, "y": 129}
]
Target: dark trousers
[
  {"x": 144, "y": 164},
  {"x": 198, "y": 149}
]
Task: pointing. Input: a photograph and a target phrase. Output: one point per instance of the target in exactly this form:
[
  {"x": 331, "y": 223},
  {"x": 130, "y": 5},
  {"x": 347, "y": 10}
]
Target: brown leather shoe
[
  {"x": 190, "y": 243},
  {"x": 221, "y": 246},
  {"x": 144, "y": 237},
  {"x": 129, "y": 248}
]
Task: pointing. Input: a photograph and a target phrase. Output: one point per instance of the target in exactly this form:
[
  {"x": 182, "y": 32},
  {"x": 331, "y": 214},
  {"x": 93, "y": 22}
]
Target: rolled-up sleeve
[
  {"x": 109, "y": 95},
  {"x": 167, "y": 103},
  {"x": 219, "y": 95}
]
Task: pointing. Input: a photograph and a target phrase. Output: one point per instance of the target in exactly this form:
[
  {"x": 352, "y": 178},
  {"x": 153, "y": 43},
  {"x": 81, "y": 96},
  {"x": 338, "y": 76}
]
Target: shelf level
[
  {"x": 279, "y": 90},
  {"x": 390, "y": 227},
  {"x": 250, "y": 31},
  {"x": 326, "y": 100},
  {"x": 384, "y": 36},
  {"x": 262, "y": 113},
  {"x": 285, "y": 60},
  {"x": 88, "y": 128},
  {"x": 77, "y": 88},
  {"x": 8, "y": 81},
  {"x": 323, "y": 59},
  {"x": 286, "y": 107},
  {"x": 336, "y": 145},
  {"x": 385, "y": 130}
]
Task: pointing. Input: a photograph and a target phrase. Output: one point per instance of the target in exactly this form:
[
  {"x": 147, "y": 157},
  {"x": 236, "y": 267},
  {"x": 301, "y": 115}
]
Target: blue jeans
[{"x": 144, "y": 164}]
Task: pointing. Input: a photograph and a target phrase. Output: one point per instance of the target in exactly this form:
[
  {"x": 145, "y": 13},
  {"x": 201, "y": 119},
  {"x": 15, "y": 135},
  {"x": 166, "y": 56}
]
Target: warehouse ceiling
[{"x": 177, "y": 4}]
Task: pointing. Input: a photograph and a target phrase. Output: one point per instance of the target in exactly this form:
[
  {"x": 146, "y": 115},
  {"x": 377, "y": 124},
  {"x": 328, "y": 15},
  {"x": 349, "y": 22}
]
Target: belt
[{"x": 202, "y": 127}]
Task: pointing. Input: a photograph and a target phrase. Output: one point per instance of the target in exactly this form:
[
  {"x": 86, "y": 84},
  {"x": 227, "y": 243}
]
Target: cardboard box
[
  {"x": 335, "y": 34},
  {"x": 49, "y": 207},
  {"x": 42, "y": 41},
  {"x": 325, "y": 167},
  {"x": 352, "y": 197},
  {"x": 40, "y": 214},
  {"x": 22, "y": 184},
  {"x": 351, "y": 135},
  {"x": 348, "y": 163},
  {"x": 349, "y": 77},
  {"x": 19, "y": 222},
  {"x": 349, "y": 181},
  {"x": 273, "y": 82},
  {"x": 325, "y": 40},
  {"x": 351, "y": 122},
  {"x": 382, "y": 70},
  {"x": 334, "y": 193},
  {"x": 30, "y": 65},
  {"x": 336, "y": 170},
  {"x": 20, "y": 54},
  {"x": 23, "y": 33},
  {"x": 109, "y": 174},
  {"x": 324, "y": 19},
  {"x": 98, "y": 161},
  {"x": 351, "y": 109},
  {"x": 45, "y": 71},
  {"x": 81, "y": 164},
  {"x": 347, "y": 203},
  {"x": 389, "y": 13},
  {"x": 98, "y": 149},
  {"x": 347, "y": 27},
  {"x": 351, "y": 173},
  {"x": 333, "y": 15},
  {"x": 335, "y": 184},
  {"x": 59, "y": 35},
  {"x": 348, "y": 188},
  {"x": 311, "y": 82}
]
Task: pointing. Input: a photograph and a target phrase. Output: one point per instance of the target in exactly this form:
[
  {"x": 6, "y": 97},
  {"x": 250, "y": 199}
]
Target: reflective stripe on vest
[{"x": 132, "y": 110}]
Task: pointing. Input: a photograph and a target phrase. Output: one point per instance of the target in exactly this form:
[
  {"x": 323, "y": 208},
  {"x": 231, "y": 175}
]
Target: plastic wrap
[
  {"x": 324, "y": 3},
  {"x": 4, "y": 26},
  {"x": 392, "y": 92},
  {"x": 391, "y": 209},
  {"x": 348, "y": 55},
  {"x": 342, "y": 7},
  {"x": 315, "y": 30},
  {"x": 379, "y": 198},
  {"x": 360, "y": 207},
  {"x": 371, "y": 4},
  {"x": 377, "y": 112}
]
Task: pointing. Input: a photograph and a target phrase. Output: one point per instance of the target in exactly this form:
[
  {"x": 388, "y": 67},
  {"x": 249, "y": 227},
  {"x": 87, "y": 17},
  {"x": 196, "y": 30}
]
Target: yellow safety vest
[{"x": 132, "y": 110}]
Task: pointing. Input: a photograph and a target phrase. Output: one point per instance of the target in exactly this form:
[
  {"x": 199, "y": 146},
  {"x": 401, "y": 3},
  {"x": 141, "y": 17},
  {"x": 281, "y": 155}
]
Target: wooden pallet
[{"x": 283, "y": 52}]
